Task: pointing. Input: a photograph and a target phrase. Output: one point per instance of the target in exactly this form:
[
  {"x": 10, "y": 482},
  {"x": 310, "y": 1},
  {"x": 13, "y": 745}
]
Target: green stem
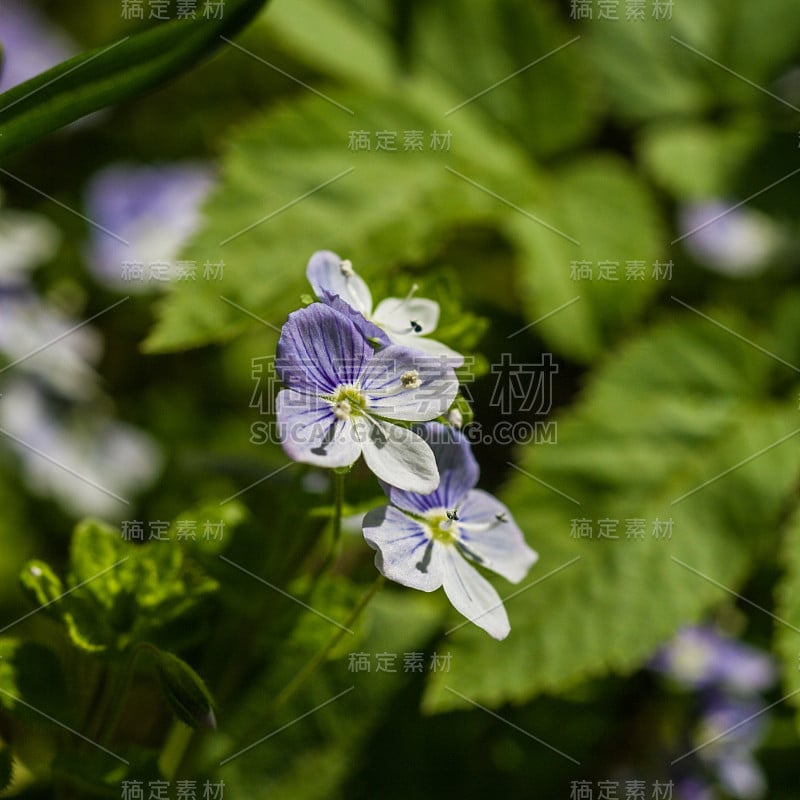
[
  {"x": 174, "y": 749},
  {"x": 313, "y": 665},
  {"x": 336, "y": 535},
  {"x": 124, "y": 687}
]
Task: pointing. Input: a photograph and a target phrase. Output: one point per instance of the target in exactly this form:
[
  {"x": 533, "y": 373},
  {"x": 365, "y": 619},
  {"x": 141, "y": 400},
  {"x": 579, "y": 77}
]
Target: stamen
[
  {"x": 452, "y": 515},
  {"x": 455, "y": 418},
  {"x": 346, "y": 267},
  {"x": 410, "y": 379},
  {"x": 342, "y": 409},
  {"x": 415, "y": 326},
  {"x": 501, "y": 516}
]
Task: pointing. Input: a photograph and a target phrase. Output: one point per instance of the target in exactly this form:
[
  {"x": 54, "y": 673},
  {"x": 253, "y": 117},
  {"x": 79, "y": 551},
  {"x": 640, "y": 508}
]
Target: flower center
[
  {"x": 443, "y": 525},
  {"x": 348, "y": 401}
]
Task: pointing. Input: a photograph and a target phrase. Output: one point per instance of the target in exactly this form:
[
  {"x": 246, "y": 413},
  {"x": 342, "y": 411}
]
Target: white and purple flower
[
  {"x": 405, "y": 321},
  {"x": 427, "y": 541},
  {"x": 342, "y": 399}
]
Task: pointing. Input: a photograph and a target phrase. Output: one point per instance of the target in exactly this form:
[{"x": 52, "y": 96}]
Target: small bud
[{"x": 185, "y": 692}]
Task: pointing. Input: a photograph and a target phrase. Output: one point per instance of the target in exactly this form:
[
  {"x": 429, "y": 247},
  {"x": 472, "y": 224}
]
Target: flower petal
[
  {"x": 472, "y": 595},
  {"x": 368, "y": 329},
  {"x": 413, "y": 314},
  {"x": 397, "y": 455},
  {"x": 310, "y": 432},
  {"x": 320, "y": 349},
  {"x": 495, "y": 538},
  {"x": 458, "y": 471},
  {"x": 390, "y": 395},
  {"x": 430, "y": 347},
  {"x": 325, "y": 274},
  {"x": 405, "y": 552}
]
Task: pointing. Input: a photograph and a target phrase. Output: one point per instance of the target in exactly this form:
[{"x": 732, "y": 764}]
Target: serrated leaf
[
  {"x": 32, "y": 684},
  {"x": 677, "y": 426},
  {"x": 695, "y": 60},
  {"x": 42, "y": 586},
  {"x": 512, "y": 61},
  {"x": 597, "y": 210},
  {"x": 290, "y": 173},
  {"x": 113, "y": 73}
]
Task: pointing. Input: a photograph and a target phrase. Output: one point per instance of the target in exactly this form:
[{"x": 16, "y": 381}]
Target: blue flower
[
  {"x": 406, "y": 321},
  {"x": 342, "y": 399},
  {"x": 428, "y": 541}
]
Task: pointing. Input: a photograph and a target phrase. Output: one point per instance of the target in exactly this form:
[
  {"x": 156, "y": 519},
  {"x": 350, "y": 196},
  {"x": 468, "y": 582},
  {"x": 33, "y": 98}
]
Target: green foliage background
[{"x": 675, "y": 399}]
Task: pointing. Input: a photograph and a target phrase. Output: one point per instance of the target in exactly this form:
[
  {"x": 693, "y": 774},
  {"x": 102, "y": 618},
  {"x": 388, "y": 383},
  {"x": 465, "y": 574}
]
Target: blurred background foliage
[{"x": 559, "y": 147}]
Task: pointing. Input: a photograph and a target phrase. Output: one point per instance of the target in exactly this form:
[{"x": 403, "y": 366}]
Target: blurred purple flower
[
  {"x": 156, "y": 209},
  {"x": 701, "y": 657},
  {"x": 30, "y": 43},
  {"x": 735, "y": 242},
  {"x": 730, "y": 729},
  {"x": 693, "y": 788}
]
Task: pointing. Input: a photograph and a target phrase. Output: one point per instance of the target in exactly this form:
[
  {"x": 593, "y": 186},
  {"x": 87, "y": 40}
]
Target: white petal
[
  {"x": 325, "y": 274},
  {"x": 472, "y": 595},
  {"x": 406, "y": 554},
  {"x": 403, "y": 316},
  {"x": 429, "y": 347},
  {"x": 397, "y": 455},
  {"x": 500, "y": 544},
  {"x": 309, "y": 431},
  {"x": 388, "y": 396}
]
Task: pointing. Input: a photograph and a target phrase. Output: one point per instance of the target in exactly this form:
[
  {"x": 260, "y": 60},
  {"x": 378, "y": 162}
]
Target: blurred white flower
[
  {"x": 736, "y": 242},
  {"x": 83, "y": 460}
]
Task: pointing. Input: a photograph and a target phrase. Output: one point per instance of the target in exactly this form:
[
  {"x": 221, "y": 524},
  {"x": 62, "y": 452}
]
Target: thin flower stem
[
  {"x": 314, "y": 664},
  {"x": 124, "y": 687},
  {"x": 336, "y": 537}
]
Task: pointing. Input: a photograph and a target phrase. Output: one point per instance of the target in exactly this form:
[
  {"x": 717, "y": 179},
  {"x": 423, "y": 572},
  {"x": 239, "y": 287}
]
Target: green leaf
[
  {"x": 32, "y": 684},
  {"x": 597, "y": 210},
  {"x": 699, "y": 60},
  {"x": 514, "y": 62},
  {"x": 113, "y": 73},
  {"x": 680, "y": 425},
  {"x": 128, "y": 592},
  {"x": 6, "y": 765},
  {"x": 42, "y": 586},
  {"x": 697, "y": 160},
  {"x": 290, "y": 173},
  {"x": 185, "y": 692}
]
